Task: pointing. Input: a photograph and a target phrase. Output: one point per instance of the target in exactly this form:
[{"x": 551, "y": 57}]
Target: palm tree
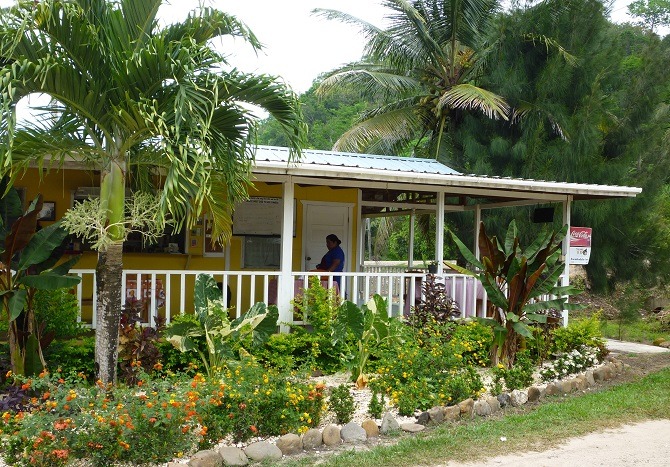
[
  {"x": 426, "y": 69},
  {"x": 155, "y": 108}
]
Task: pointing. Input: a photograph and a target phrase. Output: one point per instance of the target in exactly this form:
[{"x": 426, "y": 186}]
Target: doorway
[{"x": 321, "y": 219}]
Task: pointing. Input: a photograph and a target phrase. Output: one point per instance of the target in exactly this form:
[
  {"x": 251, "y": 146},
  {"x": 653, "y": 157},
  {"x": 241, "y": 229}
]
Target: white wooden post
[
  {"x": 565, "y": 277},
  {"x": 478, "y": 221},
  {"x": 439, "y": 232},
  {"x": 285, "y": 282},
  {"x": 410, "y": 259}
]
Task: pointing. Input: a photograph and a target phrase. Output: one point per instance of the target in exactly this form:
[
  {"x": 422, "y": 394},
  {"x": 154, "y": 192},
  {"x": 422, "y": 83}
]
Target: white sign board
[{"x": 580, "y": 245}]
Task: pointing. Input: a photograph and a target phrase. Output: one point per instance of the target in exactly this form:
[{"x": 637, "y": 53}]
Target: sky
[{"x": 298, "y": 45}]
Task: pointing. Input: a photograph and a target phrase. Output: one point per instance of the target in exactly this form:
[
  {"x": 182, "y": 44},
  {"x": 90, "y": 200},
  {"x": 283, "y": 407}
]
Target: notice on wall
[
  {"x": 580, "y": 245},
  {"x": 259, "y": 216}
]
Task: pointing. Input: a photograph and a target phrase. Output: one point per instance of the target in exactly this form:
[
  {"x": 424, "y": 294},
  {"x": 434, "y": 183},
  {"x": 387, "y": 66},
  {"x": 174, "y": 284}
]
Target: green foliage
[
  {"x": 652, "y": 13},
  {"x": 158, "y": 421},
  {"x": 59, "y": 311},
  {"x": 317, "y": 306},
  {"x": 342, "y": 403},
  {"x": 569, "y": 363},
  {"x": 72, "y": 357},
  {"x": 579, "y": 333},
  {"x": 213, "y": 325},
  {"x": 520, "y": 376},
  {"x": 300, "y": 350},
  {"x": 516, "y": 281},
  {"x": 30, "y": 256},
  {"x": 429, "y": 368},
  {"x": 369, "y": 326},
  {"x": 377, "y": 405},
  {"x": 327, "y": 118}
]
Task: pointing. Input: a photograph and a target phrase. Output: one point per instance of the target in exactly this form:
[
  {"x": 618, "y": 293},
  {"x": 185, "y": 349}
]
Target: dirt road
[{"x": 644, "y": 444}]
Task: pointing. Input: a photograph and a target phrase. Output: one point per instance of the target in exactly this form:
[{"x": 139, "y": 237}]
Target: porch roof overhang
[{"x": 337, "y": 169}]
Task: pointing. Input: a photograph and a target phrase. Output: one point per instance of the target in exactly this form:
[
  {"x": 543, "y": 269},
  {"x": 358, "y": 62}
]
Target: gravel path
[{"x": 646, "y": 443}]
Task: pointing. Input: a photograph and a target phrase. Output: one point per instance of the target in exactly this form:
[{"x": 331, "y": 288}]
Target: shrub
[
  {"x": 585, "y": 332},
  {"x": 299, "y": 349},
  {"x": 376, "y": 405},
  {"x": 156, "y": 420},
  {"x": 422, "y": 374},
  {"x": 573, "y": 362},
  {"x": 518, "y": 377},
  {"x": 342, "y": 403},
  {"x": 435, "y": 306},
  {"x": 72, "y": 357},
  {"x": 59, "y": 311}
]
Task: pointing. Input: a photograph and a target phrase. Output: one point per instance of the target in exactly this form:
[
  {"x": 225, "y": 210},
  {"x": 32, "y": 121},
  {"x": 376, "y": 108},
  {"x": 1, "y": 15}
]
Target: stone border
[{"x": 352, "y": 433}]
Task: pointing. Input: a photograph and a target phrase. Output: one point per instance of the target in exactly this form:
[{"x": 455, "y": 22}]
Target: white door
[{"x": 320, "y": 220}]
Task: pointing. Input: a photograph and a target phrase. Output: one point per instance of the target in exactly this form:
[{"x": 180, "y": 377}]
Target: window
[{"x": 261, "y": 252}]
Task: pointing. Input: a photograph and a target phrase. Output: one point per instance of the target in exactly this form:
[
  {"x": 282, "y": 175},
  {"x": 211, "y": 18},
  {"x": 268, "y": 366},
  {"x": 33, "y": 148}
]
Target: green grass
[
  {"x": 541, "y": 427},
  {"x": 635, "y": 331}
]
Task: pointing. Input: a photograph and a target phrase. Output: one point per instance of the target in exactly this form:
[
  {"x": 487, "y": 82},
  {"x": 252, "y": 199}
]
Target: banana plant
[
  {"x": 30, "y": 262},
  {"x": 213, "y": 325},
  {"x": 517, "y": 283},
  {"x": 369, "y": 325}
]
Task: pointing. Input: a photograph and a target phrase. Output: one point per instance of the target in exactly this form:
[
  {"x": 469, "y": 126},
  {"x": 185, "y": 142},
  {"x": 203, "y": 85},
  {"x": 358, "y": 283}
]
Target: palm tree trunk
[{"x": 109, "y": 273}]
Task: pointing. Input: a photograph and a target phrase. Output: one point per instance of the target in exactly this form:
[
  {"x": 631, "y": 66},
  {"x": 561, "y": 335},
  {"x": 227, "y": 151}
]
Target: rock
[
  {"x": 232, "y": 455},
  {"x": 589, "y": 378},
  {"x": 353, "y": 433},
  {"x": 412, "y": 427},
  {"x": 551, "y": 389},
  {"x": 581, "y": 383},
  {"x": 174, "y": 464},
  {"x": 389, "y": 424},
  {"x": 482, "y": 408},
  {"x": 436, "y": 415},
  {"x": 423, "y": 418},
  {"x": 518, "y": 398},
  {"x": 331, "y": 435},
  {"x": 312, "y": 439},
  {"x": 371, "y": 428},
  {"x": 466, "y": 407},
  {"x": 206, "y": 458},
  {"x": 262, "y": 450},
  {"x": 503, "y": 399},
  {"x": 494, "y": 403},
  {"x": 565, "y": 386},
  {"x": 534, "y": 394},
  {"x": 290, "y": 444},
  {"x": 452, "y": 413},
  {"x": 602, "y": 373},
  {"x": 665, "y": 344}
]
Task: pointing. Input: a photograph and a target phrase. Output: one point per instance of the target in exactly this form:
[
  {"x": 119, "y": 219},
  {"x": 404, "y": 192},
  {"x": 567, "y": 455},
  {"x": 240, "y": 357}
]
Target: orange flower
[
  {"x": 152, "y": 420},
  {"x": 253, "y": 429},
  {"x": 184, "y": 429},
  {"x": 46, "y": 395},
  {"x": 150, "y": 404},
  {"x": 60, "y": 453},
  {"x": 158, "y": 366},
  {"x": 203, "y": 431},
  {"x": 60, "y": 425}
]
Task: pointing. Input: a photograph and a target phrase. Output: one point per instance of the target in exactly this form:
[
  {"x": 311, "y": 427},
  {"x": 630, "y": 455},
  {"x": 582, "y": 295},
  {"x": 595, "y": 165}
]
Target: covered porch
[{"x": 326, "y": 191}]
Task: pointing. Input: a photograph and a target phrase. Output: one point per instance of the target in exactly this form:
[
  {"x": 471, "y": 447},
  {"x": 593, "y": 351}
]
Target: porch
[{"x": 169, "y": 293}]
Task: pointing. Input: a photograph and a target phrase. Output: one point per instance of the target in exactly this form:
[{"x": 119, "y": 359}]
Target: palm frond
[
  {"x": 550, "y": 44},
  {"x": 382, "y": 132},
  {"x": 370, "y": 80},
  {"x": 469, "y": 97}
]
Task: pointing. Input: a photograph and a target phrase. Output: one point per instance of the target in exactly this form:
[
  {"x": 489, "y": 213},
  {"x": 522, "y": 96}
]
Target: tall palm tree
[
  {"x": 425, "y": 68},
  {"x": 154, "y": 106}
]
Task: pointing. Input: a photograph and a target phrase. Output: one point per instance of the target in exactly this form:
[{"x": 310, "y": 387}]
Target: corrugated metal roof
[
  {"x": 359, "y": 161},
  {"x": 425, "y": 174}
]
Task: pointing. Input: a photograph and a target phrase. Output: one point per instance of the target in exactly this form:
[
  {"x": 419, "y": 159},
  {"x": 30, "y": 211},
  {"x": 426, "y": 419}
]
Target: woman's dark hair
[{"x": 333, "y": 238}]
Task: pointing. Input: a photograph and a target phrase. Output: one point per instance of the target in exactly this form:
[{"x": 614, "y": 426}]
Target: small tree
[
  {"x": 29, "y": 263},
  {"x": 517, "y": 283}
]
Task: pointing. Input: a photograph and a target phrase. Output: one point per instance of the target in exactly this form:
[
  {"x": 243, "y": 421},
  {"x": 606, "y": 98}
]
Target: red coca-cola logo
[{"x": 580, "y": 236}]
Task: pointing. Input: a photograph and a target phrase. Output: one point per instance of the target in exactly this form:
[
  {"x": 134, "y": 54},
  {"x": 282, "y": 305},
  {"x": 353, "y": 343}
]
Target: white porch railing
[{"x": 167, "y": 293}]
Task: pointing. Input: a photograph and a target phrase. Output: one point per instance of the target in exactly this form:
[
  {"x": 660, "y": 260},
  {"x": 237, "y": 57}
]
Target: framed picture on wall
[{"x": 48, "y": 212}]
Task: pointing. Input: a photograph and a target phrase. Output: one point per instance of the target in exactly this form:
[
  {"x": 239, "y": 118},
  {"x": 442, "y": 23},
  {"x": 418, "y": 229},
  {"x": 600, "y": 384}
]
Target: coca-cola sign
[{"x": 580, "y": 236}]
